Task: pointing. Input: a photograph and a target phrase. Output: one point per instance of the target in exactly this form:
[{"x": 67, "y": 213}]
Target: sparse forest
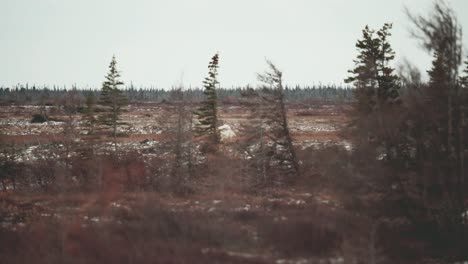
[{"x": 373, "y": 172}]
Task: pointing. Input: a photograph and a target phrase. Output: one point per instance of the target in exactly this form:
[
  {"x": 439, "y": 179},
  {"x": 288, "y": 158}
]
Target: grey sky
[{"x": 160, "y": 42}]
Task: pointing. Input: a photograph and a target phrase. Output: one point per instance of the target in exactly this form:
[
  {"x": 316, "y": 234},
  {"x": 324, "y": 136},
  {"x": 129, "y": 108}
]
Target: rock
[{"x": 226, "y": 132}]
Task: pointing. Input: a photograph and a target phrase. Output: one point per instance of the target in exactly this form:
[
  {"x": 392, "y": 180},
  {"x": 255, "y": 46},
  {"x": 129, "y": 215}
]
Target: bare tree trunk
[
  {"x": 450, "y": 123},
  {"x": 13, "y": 180},
  {"x": 114, "y": 124},
  {"x": 287, "y": 134},
  {"x": 190, "y": 145},
  {"x": 178, "y": 144},
  {"x": 461, "y": 155},
  {"x": 114, "y": 133},
  {"x": 263, "y": 157},
  {"x": 462, "y": 148}
]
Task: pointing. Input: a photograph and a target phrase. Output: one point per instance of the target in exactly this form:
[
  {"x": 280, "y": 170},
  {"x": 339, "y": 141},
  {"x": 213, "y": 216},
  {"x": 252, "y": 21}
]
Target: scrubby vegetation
[{"x": 373, "y": 173}]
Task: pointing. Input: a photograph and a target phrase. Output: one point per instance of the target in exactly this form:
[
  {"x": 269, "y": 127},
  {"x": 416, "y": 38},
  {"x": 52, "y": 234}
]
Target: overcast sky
[{"x": 165, "y": 42}]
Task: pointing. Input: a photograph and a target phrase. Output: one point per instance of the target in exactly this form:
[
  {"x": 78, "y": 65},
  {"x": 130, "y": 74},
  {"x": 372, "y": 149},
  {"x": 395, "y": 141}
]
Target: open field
[
  {"x": 120, "y": 208},
  {"x": 278, "y": 226},
  {"x": 311, "y": 126},
  {"x": 308, "y": 123},
  {"x": 220, "y": 222}
]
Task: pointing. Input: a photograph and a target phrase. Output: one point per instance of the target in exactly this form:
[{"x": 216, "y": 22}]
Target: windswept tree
[
  {"x": 112, "y": 99},
  {"x": 435, "y": 129},
  {"x": 268, "y": 142},
  {"x": 207, "y": 113},
  {"x": 272, "y": 85}
]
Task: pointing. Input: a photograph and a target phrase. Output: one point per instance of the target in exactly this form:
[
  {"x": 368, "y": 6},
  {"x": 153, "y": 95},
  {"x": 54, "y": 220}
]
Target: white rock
[{"x": 226, "y": 132}]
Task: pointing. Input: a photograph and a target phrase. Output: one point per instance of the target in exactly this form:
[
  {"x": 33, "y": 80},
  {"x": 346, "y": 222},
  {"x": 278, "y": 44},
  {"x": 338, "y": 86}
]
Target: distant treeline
[{"x": 25, "y": 94}]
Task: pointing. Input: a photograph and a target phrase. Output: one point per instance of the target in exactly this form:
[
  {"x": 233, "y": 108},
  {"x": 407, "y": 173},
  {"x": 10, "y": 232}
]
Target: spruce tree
[
  {"x": 207, "y": 112},
  {"x": 438, "y": 75},
  {"x": 374, "y": 79},
  {"x": 363, "y": 75},
  {"x": 387, "y": 79},
  {"x": 112, "y": 99}
]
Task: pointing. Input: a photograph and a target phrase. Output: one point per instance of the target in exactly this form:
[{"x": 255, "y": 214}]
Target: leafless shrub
[{"x": 178, "y": 124}]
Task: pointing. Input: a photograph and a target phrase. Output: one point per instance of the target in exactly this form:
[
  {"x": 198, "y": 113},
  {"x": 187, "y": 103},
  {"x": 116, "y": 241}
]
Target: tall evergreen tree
[
  {"x": 207, "y": 112},
  {"x": 112, "y": 99},
  {"x": 386, "y": 77},
  {"x": 374, "y": 79},
  {"x": 363, "y": 75}
]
